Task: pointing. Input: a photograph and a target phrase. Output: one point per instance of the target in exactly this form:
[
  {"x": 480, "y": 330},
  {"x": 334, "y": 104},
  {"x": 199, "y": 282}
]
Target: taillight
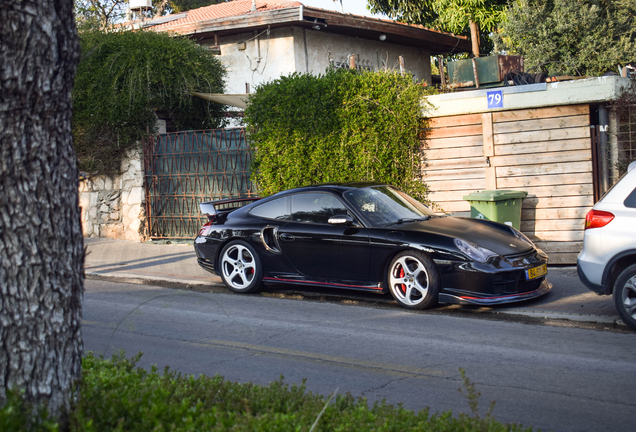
[
  {"x": 205, "y": 229},
  {"x": 597, "y": 219}
]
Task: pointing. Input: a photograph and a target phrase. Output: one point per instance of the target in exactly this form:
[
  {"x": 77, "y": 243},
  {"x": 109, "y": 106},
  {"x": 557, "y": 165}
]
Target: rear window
[{"x": 630, "y": 201}]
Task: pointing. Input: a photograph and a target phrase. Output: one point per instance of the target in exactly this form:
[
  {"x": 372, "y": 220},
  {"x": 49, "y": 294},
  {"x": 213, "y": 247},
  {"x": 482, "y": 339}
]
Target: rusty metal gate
[{"x": 183, "y": 169}]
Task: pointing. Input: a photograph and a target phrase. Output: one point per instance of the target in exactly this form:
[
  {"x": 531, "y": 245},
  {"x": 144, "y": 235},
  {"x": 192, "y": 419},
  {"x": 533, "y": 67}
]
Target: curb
[
  {"x": 565, "y": 316},
  {"x": 160, "y": 282}
]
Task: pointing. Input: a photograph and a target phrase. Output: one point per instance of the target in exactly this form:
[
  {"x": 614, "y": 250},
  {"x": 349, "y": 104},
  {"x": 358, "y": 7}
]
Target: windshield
[{"x": 385, "y": 205}]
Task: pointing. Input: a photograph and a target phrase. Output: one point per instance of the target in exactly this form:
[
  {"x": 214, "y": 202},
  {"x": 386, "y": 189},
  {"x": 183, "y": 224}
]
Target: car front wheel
[
  {"x": 413, "y": 280},
  {"x": 241, "y": 267},
  {"x": 625, "y": 295}
]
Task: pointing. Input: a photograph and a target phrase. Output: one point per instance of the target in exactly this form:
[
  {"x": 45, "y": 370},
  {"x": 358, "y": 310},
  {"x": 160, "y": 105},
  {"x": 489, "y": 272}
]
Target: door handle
[{"x": 287, "y": 237}]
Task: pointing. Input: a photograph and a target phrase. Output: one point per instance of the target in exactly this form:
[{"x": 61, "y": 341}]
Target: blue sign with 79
[{"x": 495, "y": 99}]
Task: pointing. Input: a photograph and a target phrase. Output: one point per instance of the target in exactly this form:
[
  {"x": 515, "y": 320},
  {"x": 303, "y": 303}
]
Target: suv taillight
[
  {"x": 597, "y": 219},
  {"x": 205, "y": 229}
]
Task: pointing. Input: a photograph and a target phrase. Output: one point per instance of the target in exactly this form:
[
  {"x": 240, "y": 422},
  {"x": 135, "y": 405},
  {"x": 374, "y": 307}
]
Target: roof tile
[{"x": 232, "y": 8}]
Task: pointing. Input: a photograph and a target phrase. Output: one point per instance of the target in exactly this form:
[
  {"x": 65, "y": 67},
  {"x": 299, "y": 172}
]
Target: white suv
[{"x": 607, "y": 262}]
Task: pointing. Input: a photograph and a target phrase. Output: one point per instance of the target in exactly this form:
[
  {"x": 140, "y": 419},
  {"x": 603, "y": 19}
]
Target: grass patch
[{"x": 116, "y": 395}]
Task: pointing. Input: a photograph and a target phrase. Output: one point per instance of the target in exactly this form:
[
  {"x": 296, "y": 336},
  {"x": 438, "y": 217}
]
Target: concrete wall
[
  {"x": 295, "y": 49},
  {"x": 276, "y": 58},
  {"x": 114, "y": 206},
  {"x": 370, "y": 54},
  {"x": 588, "y": 91}
]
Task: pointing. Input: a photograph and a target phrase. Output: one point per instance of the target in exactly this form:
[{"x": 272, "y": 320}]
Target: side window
[
  {"x": 630, "y": 201},
  {"x": 316, "y": 207},
  {"x": 276, "y": 209}
]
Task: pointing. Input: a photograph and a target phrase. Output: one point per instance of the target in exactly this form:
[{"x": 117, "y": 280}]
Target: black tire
[
  {"x": 240, "y": 267},
  {"x": 625, "y": 295},
  {"x": 413, "y": 280}
]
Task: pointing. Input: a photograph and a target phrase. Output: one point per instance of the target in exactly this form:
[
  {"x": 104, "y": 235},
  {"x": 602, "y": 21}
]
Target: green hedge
[
  {"x": 115, "y": 395},
  {"x": 341, "y": 126}
]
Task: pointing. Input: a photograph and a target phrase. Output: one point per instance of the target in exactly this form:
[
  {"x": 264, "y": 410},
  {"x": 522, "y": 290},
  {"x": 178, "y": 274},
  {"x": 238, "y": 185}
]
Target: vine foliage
[
  {"x": 126, "y": 80},
  {"x": 341, "y": 126}
]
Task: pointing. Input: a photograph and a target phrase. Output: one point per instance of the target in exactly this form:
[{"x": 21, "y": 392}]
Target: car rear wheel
[
  {"x": 413, "y": 280},
  {"x": 625, "y": 295},
  {"x": 241, "y": 267}
]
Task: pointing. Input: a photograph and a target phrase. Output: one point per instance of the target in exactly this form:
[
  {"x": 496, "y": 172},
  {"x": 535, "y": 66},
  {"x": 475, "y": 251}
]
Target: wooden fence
[{"x": 545, "y": 152}]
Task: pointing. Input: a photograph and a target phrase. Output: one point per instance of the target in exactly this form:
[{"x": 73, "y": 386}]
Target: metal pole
[
  {"x": 603, "y": 128},
  {"x": 475, "y": 74}
]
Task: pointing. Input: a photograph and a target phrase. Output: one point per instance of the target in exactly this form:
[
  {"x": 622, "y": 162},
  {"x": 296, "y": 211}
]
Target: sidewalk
[{"x": 175, "y": 265}]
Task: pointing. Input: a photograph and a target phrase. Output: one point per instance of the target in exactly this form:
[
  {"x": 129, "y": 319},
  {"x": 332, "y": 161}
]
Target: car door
[{"x": 319, "y": 250}]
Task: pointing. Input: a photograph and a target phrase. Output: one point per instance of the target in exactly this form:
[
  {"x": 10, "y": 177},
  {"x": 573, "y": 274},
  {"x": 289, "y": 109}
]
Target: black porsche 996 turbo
[{"x": 369, "y": 237}]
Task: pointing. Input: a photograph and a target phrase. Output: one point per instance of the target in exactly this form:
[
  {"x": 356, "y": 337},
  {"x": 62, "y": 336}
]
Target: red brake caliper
[{"x": 402, "y": 286}]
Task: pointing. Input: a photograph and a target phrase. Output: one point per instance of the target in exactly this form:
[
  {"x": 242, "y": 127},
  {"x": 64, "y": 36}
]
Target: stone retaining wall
[{"x": 114, "y": 206}]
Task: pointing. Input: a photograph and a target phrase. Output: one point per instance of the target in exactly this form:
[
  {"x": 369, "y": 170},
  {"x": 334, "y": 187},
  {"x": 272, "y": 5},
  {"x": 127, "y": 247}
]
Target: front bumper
[{"x": 476, "y": 299}]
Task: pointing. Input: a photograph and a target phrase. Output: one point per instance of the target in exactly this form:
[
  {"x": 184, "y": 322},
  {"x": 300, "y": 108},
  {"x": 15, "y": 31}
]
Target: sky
[{"x": 356, "y": 7}]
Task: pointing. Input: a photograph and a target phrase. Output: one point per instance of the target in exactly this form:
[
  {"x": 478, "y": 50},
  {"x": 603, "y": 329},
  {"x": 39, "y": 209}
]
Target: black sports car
[{"x": 369, "y": 237}]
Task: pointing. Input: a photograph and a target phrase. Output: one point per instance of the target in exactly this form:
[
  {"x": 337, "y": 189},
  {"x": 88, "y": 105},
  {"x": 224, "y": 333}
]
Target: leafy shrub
[
  {"x": 341, "y": 126},
  {"x": 124, "y": 78},
  {"x": 115, "y": 395},
  {"x": 571, "y": 37},
  {"x": 18, "y": 415}
]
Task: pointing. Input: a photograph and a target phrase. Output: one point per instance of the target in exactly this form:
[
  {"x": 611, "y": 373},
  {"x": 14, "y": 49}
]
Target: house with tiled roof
[{"x": 279, "y": 37}]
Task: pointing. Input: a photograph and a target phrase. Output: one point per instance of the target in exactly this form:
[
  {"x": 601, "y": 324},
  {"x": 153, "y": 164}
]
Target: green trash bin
[{"x": 497, "y": 205}]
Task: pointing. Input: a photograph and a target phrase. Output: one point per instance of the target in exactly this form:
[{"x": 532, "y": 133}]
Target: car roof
[{"x": 334, "y": 187}]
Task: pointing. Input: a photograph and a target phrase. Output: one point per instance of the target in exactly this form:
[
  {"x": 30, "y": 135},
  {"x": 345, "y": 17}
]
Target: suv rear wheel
[{"x": 625, "y": 295}]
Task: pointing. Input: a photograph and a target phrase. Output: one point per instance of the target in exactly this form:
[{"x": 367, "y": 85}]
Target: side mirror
[{"x": 343, "y": 220}]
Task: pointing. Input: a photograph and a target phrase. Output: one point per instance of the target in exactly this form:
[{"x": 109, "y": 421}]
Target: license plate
[{"x": 536, "y": 272}]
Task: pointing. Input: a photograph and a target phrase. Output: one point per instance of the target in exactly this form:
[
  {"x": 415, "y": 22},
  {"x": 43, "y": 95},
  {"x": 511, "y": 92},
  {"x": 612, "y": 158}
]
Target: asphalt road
[{"x": 548, "y": 377}]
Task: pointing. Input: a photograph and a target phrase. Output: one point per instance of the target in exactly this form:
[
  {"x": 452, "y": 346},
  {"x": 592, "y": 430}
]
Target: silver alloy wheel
[
  {"x": 629, "y": 297},
  {"x": 409, "y": 280},
  {"x": 238, "y": 266}
]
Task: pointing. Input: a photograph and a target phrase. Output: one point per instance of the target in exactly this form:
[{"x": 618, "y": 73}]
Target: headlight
[
  {"x": 474, "y": 252},
  {"x": 521, "y": 236}
]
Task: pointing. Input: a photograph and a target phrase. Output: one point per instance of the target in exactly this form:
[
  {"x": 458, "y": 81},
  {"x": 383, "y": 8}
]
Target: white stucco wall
[
  {"x": 276, "y": 52},
  {"x": 295, "y": 49},
  {"x": 376, "y": 55}
]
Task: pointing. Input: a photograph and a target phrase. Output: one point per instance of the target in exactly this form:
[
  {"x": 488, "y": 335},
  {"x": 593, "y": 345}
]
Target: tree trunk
[
  {"x": 41, "y": 244},
  {"x": 161, "y": 8},
  {"x": 474, "y": 37}
]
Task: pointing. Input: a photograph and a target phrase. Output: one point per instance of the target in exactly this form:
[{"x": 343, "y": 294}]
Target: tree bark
[
  {"x": 161, "y": 8},
  {"x": 41, "y": 244},
  {"x": 474, "y": 37}
]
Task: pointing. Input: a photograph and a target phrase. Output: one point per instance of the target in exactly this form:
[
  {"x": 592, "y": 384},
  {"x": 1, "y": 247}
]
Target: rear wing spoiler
[{"x": 210, "y": 208}]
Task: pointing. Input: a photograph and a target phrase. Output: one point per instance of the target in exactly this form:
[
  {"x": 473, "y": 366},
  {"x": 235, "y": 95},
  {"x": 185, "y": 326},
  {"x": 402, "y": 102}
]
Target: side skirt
[{"x": 370, "y": 288}]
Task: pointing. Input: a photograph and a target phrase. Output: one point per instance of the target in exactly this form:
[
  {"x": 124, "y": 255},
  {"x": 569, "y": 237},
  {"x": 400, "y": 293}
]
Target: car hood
[{"x": 499, "y": 240}]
